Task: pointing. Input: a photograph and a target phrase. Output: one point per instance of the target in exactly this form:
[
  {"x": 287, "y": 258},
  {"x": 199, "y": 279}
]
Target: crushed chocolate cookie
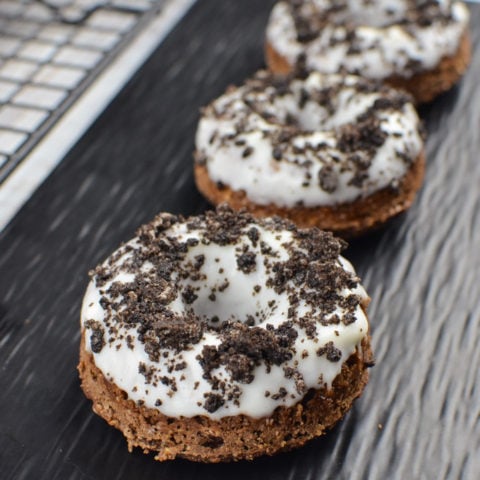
[
  {"x": 298, "y": 378},
  {"x": 247, "y": 262},
  {"x": 332, "y": 353},
  {"x": 176, "y": 333},
  {"x": 97, "y": 341},
  {"x": 328, "y": 179},
  {"x": 247, "y": 152},
  {"x": 181, "y": 366},
  {"x": 242, "y": 348},
  {"x": 189, "y": 295},
  {"x": 199, "y": 261},
  {"x": 224, "y": 286},
  {"x": 366, "y": 136},
  {"x": 282, "y": 393},
  {"x": 254, "y": 235},
  {"x": 277, "y": 153},
  {"x": 213, "y": 402}
]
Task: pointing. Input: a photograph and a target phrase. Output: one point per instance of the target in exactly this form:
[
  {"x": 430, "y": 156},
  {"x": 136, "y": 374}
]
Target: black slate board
[{"x": 419, "y": 416}]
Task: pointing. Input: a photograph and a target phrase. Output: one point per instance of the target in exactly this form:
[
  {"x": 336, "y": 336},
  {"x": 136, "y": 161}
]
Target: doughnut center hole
[
  {"x": 219, "y": 291},
  {"x": 284, "y": 111},
  {"x": 354, "y": 13},
  {"x": 325, "y": 107}
]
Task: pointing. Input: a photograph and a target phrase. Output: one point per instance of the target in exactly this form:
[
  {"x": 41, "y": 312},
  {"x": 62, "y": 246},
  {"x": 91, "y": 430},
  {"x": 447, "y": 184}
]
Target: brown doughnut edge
[
  {"x": 231, "y": 438},
  {"x": 424, "y": 86},
  {"x": 346, "y": 220}
]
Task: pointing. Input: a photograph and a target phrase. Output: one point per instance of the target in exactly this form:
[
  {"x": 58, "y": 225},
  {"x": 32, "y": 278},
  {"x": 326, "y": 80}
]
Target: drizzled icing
[
  {"x": 313, "y": 141},
  {"x": 377, "y": 39},
  {"x": 222, "y": 314}
]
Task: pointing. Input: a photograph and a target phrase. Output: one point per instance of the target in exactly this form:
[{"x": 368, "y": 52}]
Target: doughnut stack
[
  {"x": 330, "y": 137},
  {"x": 243, "y": 331}
]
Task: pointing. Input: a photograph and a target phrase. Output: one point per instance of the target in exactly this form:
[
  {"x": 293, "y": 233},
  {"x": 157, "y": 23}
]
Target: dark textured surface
[{"x": 422, "y": 273}]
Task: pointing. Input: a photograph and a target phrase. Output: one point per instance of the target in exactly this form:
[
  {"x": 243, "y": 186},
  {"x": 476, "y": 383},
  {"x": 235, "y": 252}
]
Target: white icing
[
  {"x": 266, "y": 180},
  {"x": 120, "y": 364},
  {"x": 387, "y": 48}
]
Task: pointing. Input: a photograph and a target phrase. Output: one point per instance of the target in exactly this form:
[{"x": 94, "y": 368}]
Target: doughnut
[
  {"x": 224, "y": 337},
  {"x": 338, "y": 152},
  {"x": 420, "y": 46}
]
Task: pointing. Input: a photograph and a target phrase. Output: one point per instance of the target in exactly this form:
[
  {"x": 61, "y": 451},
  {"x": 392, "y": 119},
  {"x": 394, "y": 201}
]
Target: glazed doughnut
[
  {"x": 341, "y": 153},
  {"x": 421, "y": 46},
  {"x": 224, "y": 337}
]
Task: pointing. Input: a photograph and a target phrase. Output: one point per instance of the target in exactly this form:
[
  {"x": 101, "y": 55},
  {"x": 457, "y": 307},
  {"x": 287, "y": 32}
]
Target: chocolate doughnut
[
  {"x": 338, "y": 152},
  {"x": 421, "y": 46},
  {"x": 224, "y": 337}
]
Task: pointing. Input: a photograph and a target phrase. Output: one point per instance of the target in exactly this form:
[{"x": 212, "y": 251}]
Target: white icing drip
[
  {"x": 282, "y": 183},
  {"x": 386, "y": 48},
  {"x": 120, "y": 364}
]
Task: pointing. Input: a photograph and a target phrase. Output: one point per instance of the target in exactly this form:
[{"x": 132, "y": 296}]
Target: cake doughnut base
[
  {"x": 424, "y": 86},
  {"x": 346, "y": 220},
  {"x": 231, "y": 438}
]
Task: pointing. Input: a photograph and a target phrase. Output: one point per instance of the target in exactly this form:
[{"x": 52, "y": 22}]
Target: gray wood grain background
[{"x": 419, "y": 417}]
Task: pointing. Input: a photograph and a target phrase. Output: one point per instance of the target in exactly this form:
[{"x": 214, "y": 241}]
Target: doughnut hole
[
  {"x": 355, "y": 13},
  {"x": 228, "y": 284},
  {"x": 314, "y": 108}
]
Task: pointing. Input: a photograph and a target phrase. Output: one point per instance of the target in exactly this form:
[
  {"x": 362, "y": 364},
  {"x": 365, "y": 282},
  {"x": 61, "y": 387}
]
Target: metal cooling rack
[{"x": 50, "y": 52}]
